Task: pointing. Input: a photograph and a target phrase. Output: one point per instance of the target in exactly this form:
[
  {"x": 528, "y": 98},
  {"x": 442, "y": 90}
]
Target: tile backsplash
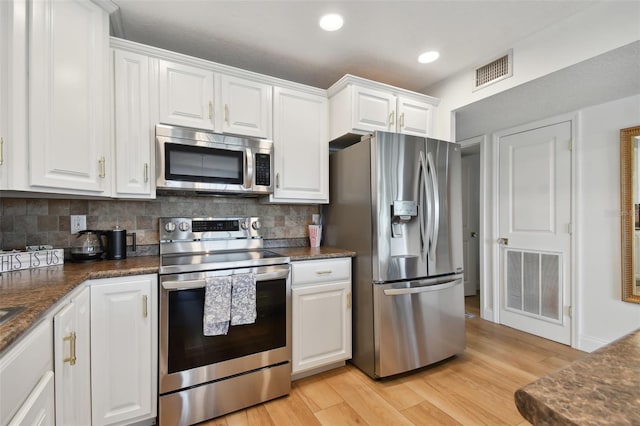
[{"x": 46, "y": 221}]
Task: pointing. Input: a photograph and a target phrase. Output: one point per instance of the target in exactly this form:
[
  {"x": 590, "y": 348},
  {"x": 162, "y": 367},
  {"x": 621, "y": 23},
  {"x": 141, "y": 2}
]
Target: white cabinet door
[
  {"x": 38, "y": 409},
  {"x": 68, "y": 97},
  {"x": 185, "y": 95},
  {"x": 414, "y": 117},
  {"x": 245, "y": 107},
  {"x": 124, "y": 349},
  {"x": 373, "y": 110},
  {"x": 72, "y": 364},
  {"x": 321, "y": 319},
  {"x": 321, "y": 326},
  {"x": 5, "y": 24},
  {"x": 301, "y": 150},
  {"x": 22, "y": 370},
  {"x": 133, "y": 130}
]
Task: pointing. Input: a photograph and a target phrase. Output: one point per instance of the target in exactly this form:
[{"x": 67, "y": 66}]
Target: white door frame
[
  {"x": 486, "y": 307},
  {"x": 490, "y": 223}
]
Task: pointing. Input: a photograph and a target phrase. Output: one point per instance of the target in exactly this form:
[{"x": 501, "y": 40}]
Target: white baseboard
[{"x": 590, "y": 343}]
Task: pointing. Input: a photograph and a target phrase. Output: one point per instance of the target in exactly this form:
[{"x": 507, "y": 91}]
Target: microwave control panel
[{"x": 263, "y": 169}]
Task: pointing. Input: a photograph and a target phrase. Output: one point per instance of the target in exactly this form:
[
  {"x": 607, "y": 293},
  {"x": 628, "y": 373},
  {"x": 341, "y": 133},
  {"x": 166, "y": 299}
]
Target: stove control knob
[
  {"x": 244, "y": 224},
  {"x": 184, "y": 226},
  {"x": 169, "y": 226},
  {"x": 256, "y": 225}
]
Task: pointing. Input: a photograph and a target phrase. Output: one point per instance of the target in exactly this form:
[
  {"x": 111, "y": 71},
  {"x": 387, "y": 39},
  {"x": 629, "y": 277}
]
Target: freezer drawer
[{"x": 417, "y": 323}]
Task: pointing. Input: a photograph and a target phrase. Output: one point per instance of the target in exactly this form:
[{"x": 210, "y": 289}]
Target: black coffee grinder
[{"x": 116, "y": 246}]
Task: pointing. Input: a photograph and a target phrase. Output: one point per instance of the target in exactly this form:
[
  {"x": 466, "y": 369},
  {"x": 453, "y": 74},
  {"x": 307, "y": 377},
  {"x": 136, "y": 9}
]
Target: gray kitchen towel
[
  {"x": 243, "y": 299},
  {"x": 217, "y": 305}
]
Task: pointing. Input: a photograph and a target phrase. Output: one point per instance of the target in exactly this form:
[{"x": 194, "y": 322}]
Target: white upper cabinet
[
  {"x": 363, "y": 106},
  {"x": 414, "y": 117},
  {"x": 4, "y": 87},
  {"x": 68, "y": 97},
  {"x": 185, "y": 95},
  {"x": 133, "y": 130},
  {"x": 301, "y": 150},
  {"x": 373, "y": 110},
  {"x": 245, "y": 107}
]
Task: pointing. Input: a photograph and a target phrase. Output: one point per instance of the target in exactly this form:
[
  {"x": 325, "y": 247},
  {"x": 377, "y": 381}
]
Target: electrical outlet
[{"x": 78, "y": 223}]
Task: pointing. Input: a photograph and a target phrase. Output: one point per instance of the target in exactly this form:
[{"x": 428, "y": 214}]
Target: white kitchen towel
[
  {"x": 217, "y": 305},
  {"x": 243, "y": 299}
]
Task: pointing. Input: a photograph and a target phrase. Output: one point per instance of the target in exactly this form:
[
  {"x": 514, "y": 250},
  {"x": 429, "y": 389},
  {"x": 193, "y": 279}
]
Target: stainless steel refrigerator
[{"x": 396, "y": 202}]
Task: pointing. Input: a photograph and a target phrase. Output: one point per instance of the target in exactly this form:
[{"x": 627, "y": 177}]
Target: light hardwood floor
[{"x": 474, "y": 388}]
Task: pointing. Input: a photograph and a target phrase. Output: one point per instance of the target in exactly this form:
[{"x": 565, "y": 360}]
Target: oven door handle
[{"x": 200, "y": 283}]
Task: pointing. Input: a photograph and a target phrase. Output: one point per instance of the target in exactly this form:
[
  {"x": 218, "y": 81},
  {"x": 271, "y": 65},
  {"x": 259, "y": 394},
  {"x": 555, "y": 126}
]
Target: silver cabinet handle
[
  {"x": 210, "y": 110},
  {"x": 402, "y": 120},
  {"x": 226, "y": 113},
  {"x": 327, "y": 272},
  {"x": 349, "y": 300},
  {"x": 421, "y": 289},
  {"x": 145, "y": 308},
  {"x": 1, "y": 151},
  {"x": 71, "y": 338},
  {"x": 146, "y": 172},
  {"x": 392, "y": 118},
  {"x": 101, "y": 163},
  {"x": 277, "y": 180}
]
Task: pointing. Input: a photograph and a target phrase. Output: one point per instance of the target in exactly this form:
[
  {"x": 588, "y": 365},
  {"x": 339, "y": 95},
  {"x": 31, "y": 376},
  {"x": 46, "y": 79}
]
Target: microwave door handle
[{"x": 248, "y": 168}]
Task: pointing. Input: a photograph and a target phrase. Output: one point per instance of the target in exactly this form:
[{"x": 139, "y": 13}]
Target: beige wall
[{"x": 41, "y": 221}]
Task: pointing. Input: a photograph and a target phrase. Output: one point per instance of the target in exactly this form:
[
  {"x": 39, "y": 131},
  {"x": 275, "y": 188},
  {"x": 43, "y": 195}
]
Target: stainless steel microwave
[{"x": 196, "y": 160}]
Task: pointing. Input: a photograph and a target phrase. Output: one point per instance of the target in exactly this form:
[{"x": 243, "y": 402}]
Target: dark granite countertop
[
  {"x": 600, "y": 389},
  {"x": 311, "y": 253},
  {"x": 37, "y": 291}
]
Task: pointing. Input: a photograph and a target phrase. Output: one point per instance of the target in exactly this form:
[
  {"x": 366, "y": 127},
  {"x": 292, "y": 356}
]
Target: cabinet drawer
[
  {"x": 318, "y": 271},
  {"x": 22, "y": 368}
]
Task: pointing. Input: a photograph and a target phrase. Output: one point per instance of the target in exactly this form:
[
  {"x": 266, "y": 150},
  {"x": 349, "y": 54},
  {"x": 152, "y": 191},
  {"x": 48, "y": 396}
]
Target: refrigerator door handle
[
  {"x": 436, "y": 206},
  {"x": 421, "y": 289},
  {"x": 424, "y": 200}
]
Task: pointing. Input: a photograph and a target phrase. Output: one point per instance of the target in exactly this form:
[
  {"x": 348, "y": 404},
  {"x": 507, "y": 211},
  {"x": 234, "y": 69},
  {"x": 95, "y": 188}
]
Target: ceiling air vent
[{"x": 494, "y": 71}]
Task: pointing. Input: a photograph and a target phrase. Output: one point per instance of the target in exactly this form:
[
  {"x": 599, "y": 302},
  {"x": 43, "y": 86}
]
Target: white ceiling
[{"x": 380, "y": 40}]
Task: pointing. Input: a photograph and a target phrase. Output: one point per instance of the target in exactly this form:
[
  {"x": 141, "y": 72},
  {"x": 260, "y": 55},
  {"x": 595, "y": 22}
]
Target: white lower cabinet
[
  {"x": 38, "y": 409},
  {"x": 124, "y": 336},
  {"x": 72, "y": 365},
  {"x": 321, "y": 319},
  {"x": 26, "y": 379}
]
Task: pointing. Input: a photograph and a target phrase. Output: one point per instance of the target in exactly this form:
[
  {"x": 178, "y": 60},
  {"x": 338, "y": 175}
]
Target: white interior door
[
  {"x": 471, "y": 222},
  {"x": 534, "y": 227}
]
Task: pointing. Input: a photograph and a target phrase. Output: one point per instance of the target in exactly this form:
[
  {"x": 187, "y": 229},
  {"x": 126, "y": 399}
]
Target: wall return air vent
[{"x": 494, "y": 71}]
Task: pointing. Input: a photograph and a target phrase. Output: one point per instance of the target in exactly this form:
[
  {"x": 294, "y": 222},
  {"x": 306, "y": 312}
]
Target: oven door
[{"x": 189, "y": 358}]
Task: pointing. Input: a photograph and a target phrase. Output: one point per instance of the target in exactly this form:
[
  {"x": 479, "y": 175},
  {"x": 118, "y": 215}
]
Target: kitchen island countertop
[
  {"x": 601, "y": 388},
  {"x": 36, "y": 291}
]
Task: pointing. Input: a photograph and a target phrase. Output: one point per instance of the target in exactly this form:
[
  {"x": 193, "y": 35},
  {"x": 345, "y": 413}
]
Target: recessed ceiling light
[
  {"x": 427, "y": 57},
  {"x": 331, "y": 22}
]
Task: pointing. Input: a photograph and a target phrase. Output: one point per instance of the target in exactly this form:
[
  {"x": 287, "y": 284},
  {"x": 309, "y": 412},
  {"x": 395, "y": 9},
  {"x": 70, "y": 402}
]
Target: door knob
[
  {"x": 474, "y": 235},
  {"x": 503, "y": 241}
]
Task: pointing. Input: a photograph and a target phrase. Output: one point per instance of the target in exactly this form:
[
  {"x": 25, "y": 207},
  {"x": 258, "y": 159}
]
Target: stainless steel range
[{"x": 204, "y": 376}]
